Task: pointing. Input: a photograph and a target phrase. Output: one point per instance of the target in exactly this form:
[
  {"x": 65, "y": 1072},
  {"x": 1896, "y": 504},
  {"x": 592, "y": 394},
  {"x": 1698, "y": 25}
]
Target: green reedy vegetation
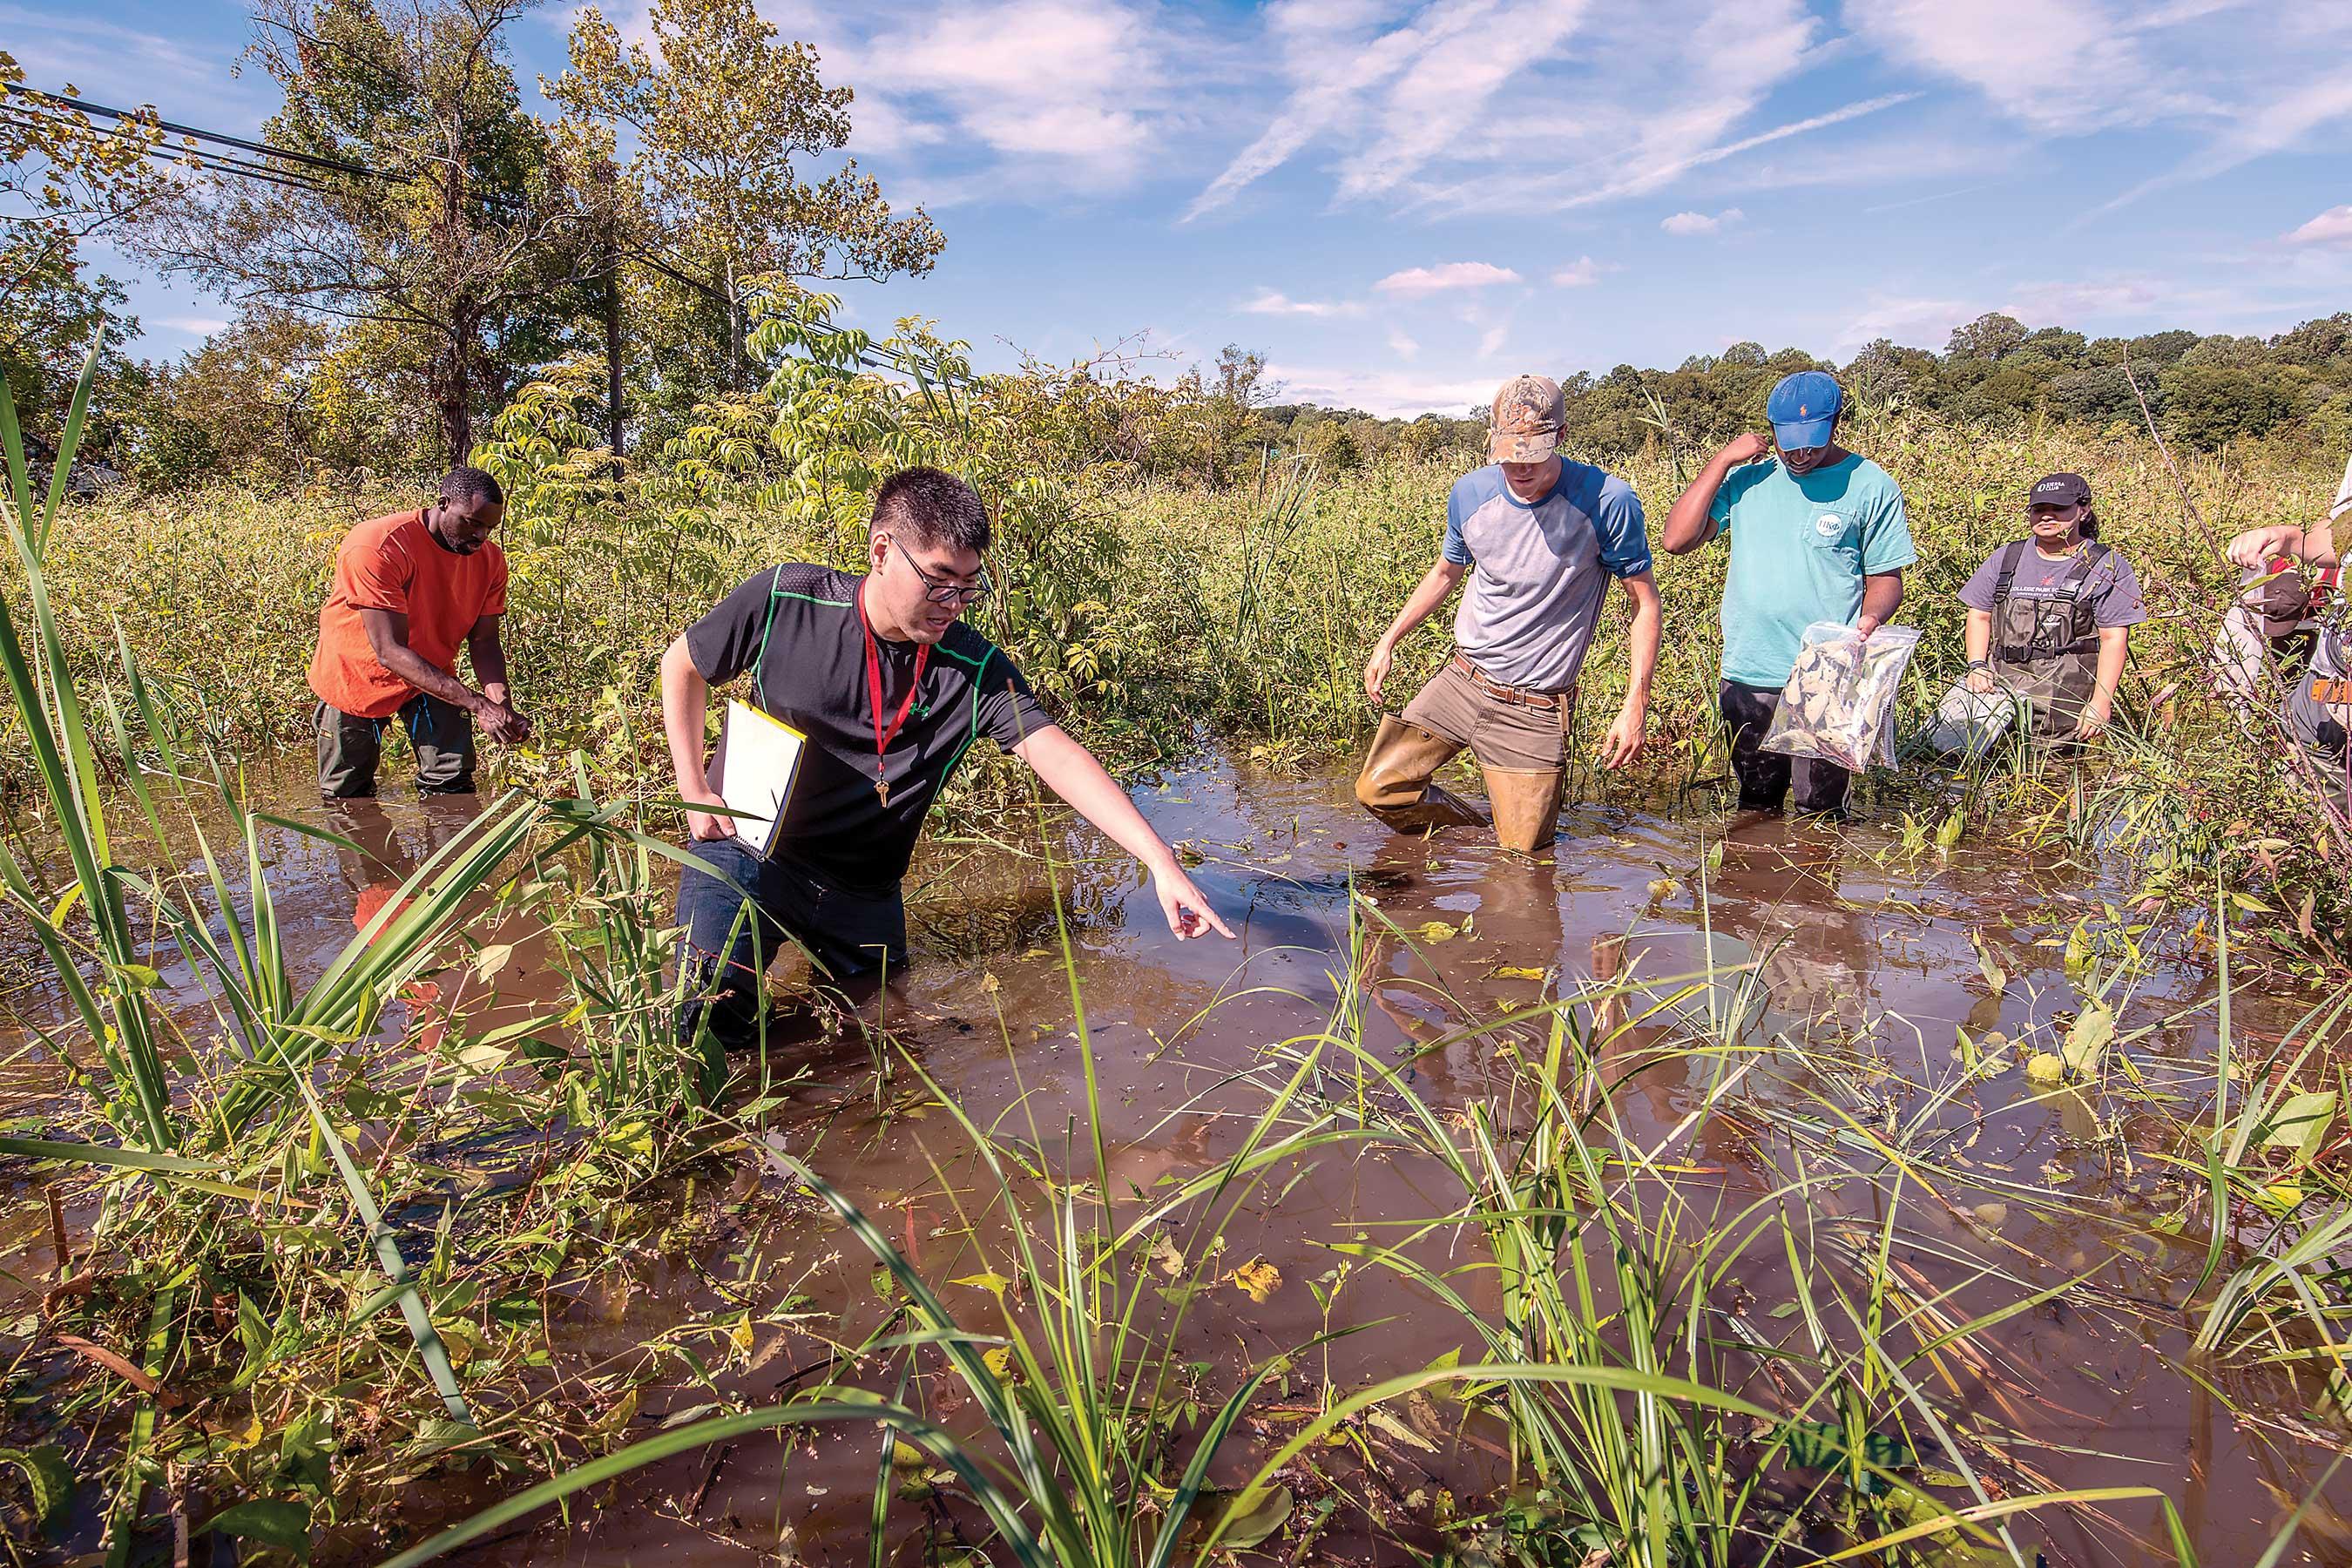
[{"x": 1153, "y": 613}]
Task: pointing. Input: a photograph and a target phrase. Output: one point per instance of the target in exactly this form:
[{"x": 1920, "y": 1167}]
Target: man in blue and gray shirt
[{"x": 1541, "y": 541}]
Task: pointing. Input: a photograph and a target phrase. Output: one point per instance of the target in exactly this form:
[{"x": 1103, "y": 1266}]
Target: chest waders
[
  {"x": 2319, "y": 714},
  {"x": 2047, "y": 650}
]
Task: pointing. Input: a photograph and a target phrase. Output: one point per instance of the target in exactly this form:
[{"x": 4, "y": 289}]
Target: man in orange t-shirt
[{"x": 408, "y": 589}]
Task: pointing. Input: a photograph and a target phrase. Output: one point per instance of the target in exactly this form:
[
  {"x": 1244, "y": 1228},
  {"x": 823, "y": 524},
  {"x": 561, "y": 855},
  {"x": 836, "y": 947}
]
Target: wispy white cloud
[
  {"x": 1388, "y": 394},
  {"x": 2333, "y": 226},
  {"x": 1403, "y": 345},
  {"x": 1398, "y": 83},
  {"x": 1918, "y": 322},
  {"x": 2239, "y": 76},
  {"x": 1414, "y": 281},
  {"x": 1580, "y": 273},
  {"x": 1267, "y": 302},
  {"x": 124, "y": 67},
  {"x": 1048, "y": 96},
  {"x": 194, "y": 326},
  {"x": 1690, "y": 223},
  {"x": 1423, "y": 105}
]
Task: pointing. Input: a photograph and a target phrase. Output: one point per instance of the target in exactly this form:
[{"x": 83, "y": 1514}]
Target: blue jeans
[{"x": 729, "y": 942}]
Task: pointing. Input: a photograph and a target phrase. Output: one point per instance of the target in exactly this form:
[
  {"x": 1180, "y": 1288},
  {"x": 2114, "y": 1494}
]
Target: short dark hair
[
  {"x": 2089, "y": 526},
  {"x": 462, "y": 484},
  {"x": 932, "y": 507}
]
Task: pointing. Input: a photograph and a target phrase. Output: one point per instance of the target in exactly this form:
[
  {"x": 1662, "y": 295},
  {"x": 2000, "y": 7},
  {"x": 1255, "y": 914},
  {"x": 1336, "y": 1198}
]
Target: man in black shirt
[{"x": 891, "y": 686}]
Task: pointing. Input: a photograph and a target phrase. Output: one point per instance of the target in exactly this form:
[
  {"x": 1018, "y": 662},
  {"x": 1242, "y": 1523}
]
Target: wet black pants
[
  {"x": 440, "y": 733},
  {"x": 729, "y": 942},
  {"x": 1765, "y": 777}
]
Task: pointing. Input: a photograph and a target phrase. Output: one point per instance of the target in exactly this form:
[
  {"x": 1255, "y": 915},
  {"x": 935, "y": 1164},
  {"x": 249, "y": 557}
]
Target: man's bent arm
[
  {"x": 685, "y": 703},
  {"x": 1882, "y": 596},
  {"x": 489, "y": 656},
  {"x": 1980, "y": 635},
  {"x": 387, "y": 635},
  {"x": 1423, "y": 602},
  {"x": 1071, "y": 771},
  {"x": 1419, "y": 606},
  {"x": 1688, "y": 526},
  {"x": 1642, "y": 640}
]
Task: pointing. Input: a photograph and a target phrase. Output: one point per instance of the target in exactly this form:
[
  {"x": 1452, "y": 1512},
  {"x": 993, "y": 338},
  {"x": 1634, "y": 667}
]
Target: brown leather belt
[{"x": 1519, "y": 695}]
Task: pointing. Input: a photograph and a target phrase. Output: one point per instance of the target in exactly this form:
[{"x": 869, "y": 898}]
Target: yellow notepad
[{"x": 754, "y": 769}]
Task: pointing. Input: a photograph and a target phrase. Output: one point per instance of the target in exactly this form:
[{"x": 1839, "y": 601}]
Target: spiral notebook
[{"x": 754, "y": 769}]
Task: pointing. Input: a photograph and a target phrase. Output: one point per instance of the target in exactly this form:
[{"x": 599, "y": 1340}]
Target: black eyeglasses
[{"x": 946, "y": 592}]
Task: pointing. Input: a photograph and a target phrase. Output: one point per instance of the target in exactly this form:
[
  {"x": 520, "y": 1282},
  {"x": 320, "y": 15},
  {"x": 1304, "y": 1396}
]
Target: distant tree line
[{"x": 2204, "y": 393}]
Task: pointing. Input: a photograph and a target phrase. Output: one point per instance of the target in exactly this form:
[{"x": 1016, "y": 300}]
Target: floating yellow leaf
[
  {"x": 1516, "y": 971},
  {"x": 1436, "y": 931},
  {"x": 995, "y": 1284},
  {"x": 1258, "y": 1278},
  {"x": 1991, "y": 1216},
  {"x": 2045, "y": 1068},
  {"x": 2279, "y": 1198},
  {"x": 998, "y": 1359}
]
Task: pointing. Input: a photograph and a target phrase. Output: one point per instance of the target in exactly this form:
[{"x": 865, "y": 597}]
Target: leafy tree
[
  {"x": 62, "y": 180},
  {"x": 241, "y": 407},
  {"x": 2209, "y": 405},
  {"x": 725, "y": 117},
  {"x": 2161, "y": 349},
  {"x": 2318, "y": 344},
  {"x": 462, "y": 240},
  {"x": 2100, "y": 395},
  {"x": 1988, "y": 337}
]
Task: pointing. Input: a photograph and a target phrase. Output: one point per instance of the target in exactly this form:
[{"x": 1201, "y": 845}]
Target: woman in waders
[{"x": 2050, "y": 616}]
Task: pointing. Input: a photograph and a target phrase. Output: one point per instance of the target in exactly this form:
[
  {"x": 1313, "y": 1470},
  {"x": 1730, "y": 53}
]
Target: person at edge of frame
[
  {"x": 2316, "y": 665},
  {"x": 1818, "y": 533},
  {"x": 2050, "y": 615},
  {"x": 891, "y": 686},
  {"x": 1540, "y": 538},
  {"x": 409, "y": 588}
]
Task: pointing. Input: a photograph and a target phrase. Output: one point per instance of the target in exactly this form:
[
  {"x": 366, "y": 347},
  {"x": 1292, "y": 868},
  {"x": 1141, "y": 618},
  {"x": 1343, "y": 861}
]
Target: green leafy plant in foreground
[
  {"x": 192, "y": 1124},
  {"x": 1622, "y": 1386}
]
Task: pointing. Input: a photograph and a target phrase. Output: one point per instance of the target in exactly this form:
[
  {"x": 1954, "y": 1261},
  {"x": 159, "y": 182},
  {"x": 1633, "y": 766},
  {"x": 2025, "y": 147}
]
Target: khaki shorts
[{"x": 1501, "y": 734}]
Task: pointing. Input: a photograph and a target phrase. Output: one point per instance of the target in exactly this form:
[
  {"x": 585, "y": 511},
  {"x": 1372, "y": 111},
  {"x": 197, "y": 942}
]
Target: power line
[
  {"x": 145, "y": 116},
  {"x": 292, "y": 179}
]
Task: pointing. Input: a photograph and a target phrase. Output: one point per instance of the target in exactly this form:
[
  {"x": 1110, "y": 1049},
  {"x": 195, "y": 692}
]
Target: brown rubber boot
[
  {"x": 1526, "y": 807},
  {"x": 1394, "y": 785}
]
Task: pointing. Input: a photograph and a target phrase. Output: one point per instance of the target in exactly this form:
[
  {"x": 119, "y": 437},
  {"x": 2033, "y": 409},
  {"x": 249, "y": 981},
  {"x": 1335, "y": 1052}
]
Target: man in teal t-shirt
[{"x": 1817, "y": 535}]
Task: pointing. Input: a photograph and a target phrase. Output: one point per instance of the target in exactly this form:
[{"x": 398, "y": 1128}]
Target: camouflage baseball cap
[{"x": 1527, "y": 417}]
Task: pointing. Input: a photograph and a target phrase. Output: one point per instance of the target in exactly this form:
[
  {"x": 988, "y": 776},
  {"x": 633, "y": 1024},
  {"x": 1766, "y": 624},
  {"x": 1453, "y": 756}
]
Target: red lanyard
[{"x": 884, "y": 736}]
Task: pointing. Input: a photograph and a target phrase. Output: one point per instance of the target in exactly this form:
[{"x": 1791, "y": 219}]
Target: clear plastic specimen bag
[{"x": 1839, "y": 704}]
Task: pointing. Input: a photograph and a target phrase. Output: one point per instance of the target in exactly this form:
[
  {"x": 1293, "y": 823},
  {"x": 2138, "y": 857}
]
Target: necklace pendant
[{"x": 882, "y": 790}]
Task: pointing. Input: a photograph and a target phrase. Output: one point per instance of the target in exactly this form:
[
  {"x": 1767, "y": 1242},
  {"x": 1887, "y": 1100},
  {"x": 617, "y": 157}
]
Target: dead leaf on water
[
  {"x": 1164, "y": 1253},
  {"x": 1258, "y": 1278},
  {"x": 1436, "y": 931},
  {"x": 1388, "y": 1426}
]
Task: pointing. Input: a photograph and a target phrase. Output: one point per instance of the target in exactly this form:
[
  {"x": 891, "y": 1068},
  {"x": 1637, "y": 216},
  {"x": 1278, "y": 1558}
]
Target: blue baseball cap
[{"x": 1801, "y": 409}]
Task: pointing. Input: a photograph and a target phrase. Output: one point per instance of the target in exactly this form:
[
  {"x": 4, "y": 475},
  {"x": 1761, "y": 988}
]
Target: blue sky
[{"x": 1402, "y": 202}]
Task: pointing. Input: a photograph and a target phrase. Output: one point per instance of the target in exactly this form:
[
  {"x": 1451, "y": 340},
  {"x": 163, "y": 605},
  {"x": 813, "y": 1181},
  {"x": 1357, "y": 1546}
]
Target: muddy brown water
[{"x": 1863, "y": 954}]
